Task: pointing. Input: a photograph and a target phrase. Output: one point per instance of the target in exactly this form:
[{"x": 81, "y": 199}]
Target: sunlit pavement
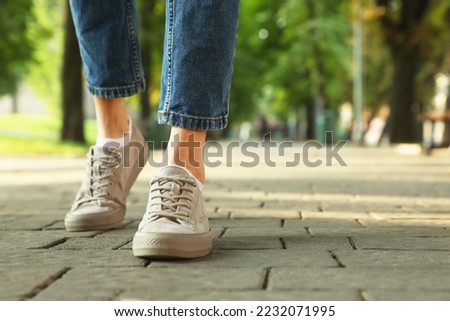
[{"x": 376, "y": 229}]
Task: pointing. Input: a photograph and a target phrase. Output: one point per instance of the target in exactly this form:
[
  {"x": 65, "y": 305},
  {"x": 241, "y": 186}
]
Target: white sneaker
[
  {"x": 175, "y": 223},
  {"x": 101, "y": 201}
]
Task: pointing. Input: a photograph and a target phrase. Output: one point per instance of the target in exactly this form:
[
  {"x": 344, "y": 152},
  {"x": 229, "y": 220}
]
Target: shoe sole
[
  {"x": 79, "y": 225},
  {"x": 170, "y": 245}
]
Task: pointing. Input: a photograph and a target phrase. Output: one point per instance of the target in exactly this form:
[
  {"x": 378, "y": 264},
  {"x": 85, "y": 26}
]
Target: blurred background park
[{"x": 375, "y": 72}]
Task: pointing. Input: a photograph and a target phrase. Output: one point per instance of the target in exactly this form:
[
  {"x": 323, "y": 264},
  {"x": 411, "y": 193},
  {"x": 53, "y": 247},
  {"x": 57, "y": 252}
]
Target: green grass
[{"x": 28, "y": 135}]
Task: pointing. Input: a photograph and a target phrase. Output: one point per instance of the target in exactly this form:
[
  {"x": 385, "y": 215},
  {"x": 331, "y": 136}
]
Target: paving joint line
[
  {"x": 224, "y": 230},
  {"x": 308, "y": 230},
  {"x": 44, "y": 285},
  {"x": 265, "y": 282},
  {"x": 352, "y": 243},
  {"x": 117, "y": 247},
  {"x": 283, "y": 243},
  {"x": 51, "y": 244},
  {"x": 337, "y": 258}
]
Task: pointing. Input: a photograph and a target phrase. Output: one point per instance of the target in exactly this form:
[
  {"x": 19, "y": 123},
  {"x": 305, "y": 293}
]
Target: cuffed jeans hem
[
  {"x": 117, "y": 92},
  {"x": 192, "y": 122}
]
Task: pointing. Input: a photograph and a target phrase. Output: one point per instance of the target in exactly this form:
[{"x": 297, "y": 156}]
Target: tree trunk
[
  {"x": 403, "y": 124},
  {"x": 311, "y": 121},
  {"x": 446, "y": 68},
  {"x": 72, "y": 86},
  {"x": 15, "y": 102},
  {"x": 400, "y": 30}
]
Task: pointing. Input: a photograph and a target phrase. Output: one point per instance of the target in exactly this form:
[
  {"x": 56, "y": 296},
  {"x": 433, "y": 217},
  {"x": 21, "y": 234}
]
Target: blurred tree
[
  {"x": 290, "y": 55},
  {"x": 378, "y": 66},
  {"x": 436, "y": 57},
  {"x": 47, "y": 31},
  {"x": 435, "y": 34},
  {"x": 146, "y": 9},
  {"x": 317, "y": 65},
  {"x": 72, "y": 85},
  {"x": 256, "y": 48},
  {"x": 16, "y": 48},
  {"x": 377, "y": 69},
  {"x": 402, "y": 23},
  {"x": 151, "y": 17}
]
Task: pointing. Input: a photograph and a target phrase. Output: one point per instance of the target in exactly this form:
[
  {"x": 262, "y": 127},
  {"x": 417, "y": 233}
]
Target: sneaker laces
[
  {"x": 172, "y": 201},
  {"x": 99, "y": 167}
]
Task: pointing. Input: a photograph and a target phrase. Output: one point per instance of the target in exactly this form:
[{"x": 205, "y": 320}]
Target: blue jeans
[{"x": 199, "y": 45}]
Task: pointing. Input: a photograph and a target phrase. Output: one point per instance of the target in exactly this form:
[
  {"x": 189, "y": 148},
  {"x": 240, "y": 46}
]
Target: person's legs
[
  {"x": 108, "y": 38},
  {"x": 198, "y": 59},
  {"x": 107, "y": 34},
  {"x": 198, "y": 56}
]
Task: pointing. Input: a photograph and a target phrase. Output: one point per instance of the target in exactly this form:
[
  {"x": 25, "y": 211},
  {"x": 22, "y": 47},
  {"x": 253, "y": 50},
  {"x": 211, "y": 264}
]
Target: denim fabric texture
[
  {"x": 199, "y": 46},
  {"x": 107, "y": 32}
]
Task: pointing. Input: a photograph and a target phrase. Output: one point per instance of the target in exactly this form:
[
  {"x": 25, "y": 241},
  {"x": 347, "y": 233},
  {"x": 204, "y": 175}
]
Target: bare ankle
[
  {"x": 186, "y": 149},
  {"x": 112, "y": 117}
]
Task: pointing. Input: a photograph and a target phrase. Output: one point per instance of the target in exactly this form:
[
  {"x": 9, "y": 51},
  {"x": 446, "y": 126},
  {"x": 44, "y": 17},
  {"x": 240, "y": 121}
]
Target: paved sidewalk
[{"x": 378, "y": 229}]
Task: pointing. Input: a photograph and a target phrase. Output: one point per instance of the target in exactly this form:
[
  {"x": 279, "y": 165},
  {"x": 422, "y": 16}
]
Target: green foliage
[
  {"x": 377, "y": 69},
  {"x": 318, "y": 51},
  {"x": 48, "y": 31},
  {"x": 152, "y": 31},
  {"x": 288, "y": 53},
  {"x": 434, "y": 35},
  {"x": 22, "y": 134},
  {"x": 16, "y": 48}
]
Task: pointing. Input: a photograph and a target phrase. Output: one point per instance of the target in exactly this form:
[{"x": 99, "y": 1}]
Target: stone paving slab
[
  {"x": 254, "y": 295},
  {"x": 394, "y": 278},
  {"x": 32, "y": 222},
  {"x": 71, "y": 258},
  {"x": 321, "y": 222},
  {"x": 335, "y": 215},
  {"x": 262, "y": 213},
  {"x": 247, "y": 223},
  {"x": 392, "y": 259},
  {"x": 443, "y": 214},
  {"x": 20, "y": 282},
  {"x": 95, "y": 243},
  {"x": 264, "y": 232},
  {"x": 404, "y": 243},
  {"x": 308, "y": 258},
  {"x": 248, "y": 243},
  {"x": 36, "y": 239},
  {"x": 381, "y": 232},
  {"x": 407, "y": 295},
  {"x": 318, "y": 243},
  {"x": 133, "y": 283},
  {"x": 407, "y": 223}
]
